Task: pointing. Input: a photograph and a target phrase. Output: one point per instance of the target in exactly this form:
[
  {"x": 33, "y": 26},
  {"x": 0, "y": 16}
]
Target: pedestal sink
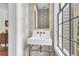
[{"x": 40, "y": 39}]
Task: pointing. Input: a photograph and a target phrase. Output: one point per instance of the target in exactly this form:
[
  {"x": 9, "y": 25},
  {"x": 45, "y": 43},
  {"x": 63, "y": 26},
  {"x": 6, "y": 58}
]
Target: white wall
[
  {"x": 52, "y": 24},
  {"x": 3, "y": 16},
  {"x": 52, "y": 20},
  {"x": 24, "y": 26},
  {"x": 18, "y": 28},
  {"x": 30, "y": 21},
  {"x": 56, "y": 7},
  {"x": 12, "y": 30},
  {"x": 20, "y": 36}
]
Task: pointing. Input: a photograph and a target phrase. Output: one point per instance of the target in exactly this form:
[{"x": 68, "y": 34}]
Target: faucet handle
[
  {"x": 43, "y": 32},
  {"x": 40, "y": 32},
  {"x": 37, "y": 32}
]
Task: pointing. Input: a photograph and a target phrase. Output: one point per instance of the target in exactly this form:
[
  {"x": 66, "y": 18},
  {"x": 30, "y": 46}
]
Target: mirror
[{"x": 41, "y": 16}]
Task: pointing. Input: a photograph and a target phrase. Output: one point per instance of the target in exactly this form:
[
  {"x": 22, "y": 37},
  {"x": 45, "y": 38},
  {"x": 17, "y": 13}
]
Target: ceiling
[{"x": 42, "y": 5}]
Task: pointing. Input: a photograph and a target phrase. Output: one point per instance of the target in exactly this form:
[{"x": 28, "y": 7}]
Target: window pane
[
  {"x": 75, "y": 29},
  {"x": 75, "y": 36},
  {"x": 60, "y": 18},
  {"x": 74, "y": 48},
  {"x": 66, "y": 37},
  {"x": 60, "y": 36},
  {"x": 66, "y": 13},
  {"x": 75, "y": 9},
  {"x": 60, "y": 42},
  {"x": 78, "y": 37},
  {"x": 60, "y": 30},
  {"x": 62, "y": 4}
]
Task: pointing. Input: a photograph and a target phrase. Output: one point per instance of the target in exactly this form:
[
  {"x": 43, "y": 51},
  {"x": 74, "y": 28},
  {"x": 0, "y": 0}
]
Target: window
[
  {"x": 60, "y": 30},
  {"x": 68, "y": 28},
  {"x": 75, "y": 29},
  {"x": 65, "y": 31}
]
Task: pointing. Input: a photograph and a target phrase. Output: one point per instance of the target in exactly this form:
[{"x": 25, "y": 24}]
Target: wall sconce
[{"x": 6, "y": 22}]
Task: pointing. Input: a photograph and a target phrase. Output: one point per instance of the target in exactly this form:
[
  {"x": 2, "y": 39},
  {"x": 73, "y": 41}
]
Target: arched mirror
[{"x": 41, "y": 16}]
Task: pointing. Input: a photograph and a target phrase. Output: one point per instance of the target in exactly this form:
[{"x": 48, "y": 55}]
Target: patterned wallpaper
[{"x": 43, "y": 18}]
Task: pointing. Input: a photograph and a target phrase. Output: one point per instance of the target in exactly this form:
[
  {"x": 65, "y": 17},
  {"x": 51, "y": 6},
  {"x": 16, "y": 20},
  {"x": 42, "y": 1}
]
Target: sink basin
[{"x": 43, "y": 39}]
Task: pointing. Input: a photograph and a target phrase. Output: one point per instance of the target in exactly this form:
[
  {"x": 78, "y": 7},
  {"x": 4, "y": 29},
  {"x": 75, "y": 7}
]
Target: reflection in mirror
[{"x": 41, "y": 16}]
